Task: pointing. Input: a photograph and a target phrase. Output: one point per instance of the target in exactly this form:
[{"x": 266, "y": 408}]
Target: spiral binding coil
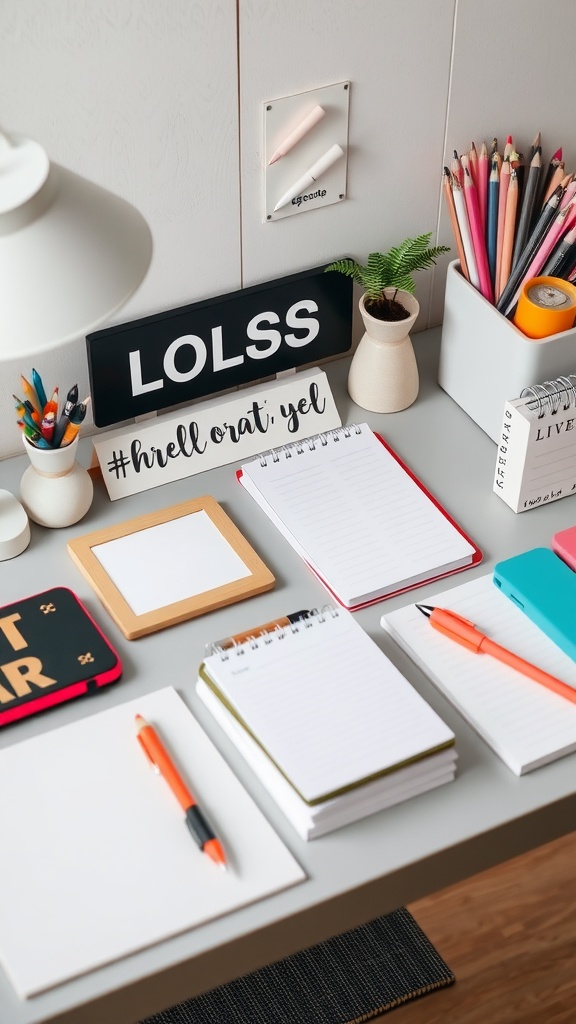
[
  {"x": 316, "y": 617},
  {"x": 551, "y": 396},
  {"x": 309, "y": 443}
]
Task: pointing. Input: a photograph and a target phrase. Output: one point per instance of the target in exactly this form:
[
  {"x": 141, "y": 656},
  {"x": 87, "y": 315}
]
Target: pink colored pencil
[
  {"x": 482, "y": 183},
  {"x": 473, "y": 209},
  {"x": 502, "y": 196},
  {"x": 473, "y": 163}
]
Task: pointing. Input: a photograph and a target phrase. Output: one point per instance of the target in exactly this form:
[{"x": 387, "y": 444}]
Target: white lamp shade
[{"x": 71, "y": 253}]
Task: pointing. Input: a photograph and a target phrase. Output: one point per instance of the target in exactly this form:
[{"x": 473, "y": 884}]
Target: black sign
[{"x": 217, "y": 344}]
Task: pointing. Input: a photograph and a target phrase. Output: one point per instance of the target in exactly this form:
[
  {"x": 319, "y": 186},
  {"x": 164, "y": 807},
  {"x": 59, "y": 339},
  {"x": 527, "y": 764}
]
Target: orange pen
[
  {"x": 201, "y": 831},
  {"x": 466, "y": 634}
]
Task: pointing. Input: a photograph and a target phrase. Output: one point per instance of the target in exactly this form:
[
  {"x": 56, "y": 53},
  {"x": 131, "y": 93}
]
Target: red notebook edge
[
  {"x": 477, "y": 555},
  {"x": 75, "y": 689}
]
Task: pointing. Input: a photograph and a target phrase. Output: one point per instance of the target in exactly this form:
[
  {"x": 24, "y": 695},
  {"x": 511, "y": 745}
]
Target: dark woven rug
[{"x": 350, "y": 978}]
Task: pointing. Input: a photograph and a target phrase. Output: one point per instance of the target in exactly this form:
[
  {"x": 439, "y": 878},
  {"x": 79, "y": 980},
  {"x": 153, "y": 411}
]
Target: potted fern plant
[{"x": 383, "y": 373}]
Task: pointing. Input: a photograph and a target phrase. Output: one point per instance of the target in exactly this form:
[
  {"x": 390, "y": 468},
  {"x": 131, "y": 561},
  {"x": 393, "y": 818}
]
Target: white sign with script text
[{"x": 213, "y": 433}]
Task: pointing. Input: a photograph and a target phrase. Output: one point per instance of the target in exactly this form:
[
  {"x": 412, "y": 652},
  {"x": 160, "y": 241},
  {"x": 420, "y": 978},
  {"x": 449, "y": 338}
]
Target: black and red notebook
[
  {"x": 357, "y": 515},
  {"x": 51, "y": 651}
]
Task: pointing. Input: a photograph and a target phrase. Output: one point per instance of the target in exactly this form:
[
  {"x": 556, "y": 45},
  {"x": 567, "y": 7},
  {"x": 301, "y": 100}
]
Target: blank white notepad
[
  {"x": 99, "y": 858},
  {"x": 524, "y": 723},
  {"x": 314, "y": 820},
  {"x": 355, "y": 513},
  {"x": 326, "y": 704}
]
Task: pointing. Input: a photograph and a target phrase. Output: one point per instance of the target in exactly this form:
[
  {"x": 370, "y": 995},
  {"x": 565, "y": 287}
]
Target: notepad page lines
[
  {"x": 516, "y": 712},
  {"x": 553, "y": 464},
  {"x": 362, "y": 520},
  {"x": 327, "y": 706}
]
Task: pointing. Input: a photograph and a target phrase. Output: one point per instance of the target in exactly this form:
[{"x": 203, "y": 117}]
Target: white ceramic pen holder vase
[
  {"x": 383, "y": 373},
  {"x": 55, "y": 490}
]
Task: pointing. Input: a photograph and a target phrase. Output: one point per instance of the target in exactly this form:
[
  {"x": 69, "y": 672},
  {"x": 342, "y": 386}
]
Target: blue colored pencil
[
  {"x": 39, "y": 388},
  {"x": 492, "y": 217}
]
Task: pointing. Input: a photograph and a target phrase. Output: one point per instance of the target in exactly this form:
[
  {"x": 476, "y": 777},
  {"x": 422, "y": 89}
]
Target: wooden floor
[{"x": 509, "y": 936}]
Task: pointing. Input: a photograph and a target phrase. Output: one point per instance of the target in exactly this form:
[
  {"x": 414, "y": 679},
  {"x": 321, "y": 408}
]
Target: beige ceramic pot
[{"x": 383, "y": 373}]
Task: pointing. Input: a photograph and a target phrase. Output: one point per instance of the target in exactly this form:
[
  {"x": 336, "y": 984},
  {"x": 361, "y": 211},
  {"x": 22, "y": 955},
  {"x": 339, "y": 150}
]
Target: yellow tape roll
[{"x": 547, "y": 305}]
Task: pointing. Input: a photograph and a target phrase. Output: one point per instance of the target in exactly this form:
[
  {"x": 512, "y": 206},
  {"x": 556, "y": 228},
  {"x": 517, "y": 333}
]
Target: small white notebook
[
  {"x": 313, "y": 821},
  {"x": 325, "y": 703},
  {"x": 99, "y": 858},
  {"x": 358, "y": 517},
  {"x": 536, "y": 455},
  {"x": 524, "y": 723}
]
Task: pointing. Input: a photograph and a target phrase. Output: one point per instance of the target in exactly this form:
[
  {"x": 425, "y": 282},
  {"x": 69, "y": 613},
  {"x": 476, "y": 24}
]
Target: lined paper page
[
  {"x": 327, "y": 704},
  {"x": 355, "y": 515},
  {"x": 524, "y": 723},
  {"x": 550, "y": 466}
]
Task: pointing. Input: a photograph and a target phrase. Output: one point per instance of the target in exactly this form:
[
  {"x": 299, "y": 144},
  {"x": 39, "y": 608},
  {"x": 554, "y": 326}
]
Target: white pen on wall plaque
[
  {"x": 330, "y": 157},
  {"x": 302, "y": 128}
]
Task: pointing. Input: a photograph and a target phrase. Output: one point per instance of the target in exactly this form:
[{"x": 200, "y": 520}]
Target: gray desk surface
[{"x": 487, "y": 815}]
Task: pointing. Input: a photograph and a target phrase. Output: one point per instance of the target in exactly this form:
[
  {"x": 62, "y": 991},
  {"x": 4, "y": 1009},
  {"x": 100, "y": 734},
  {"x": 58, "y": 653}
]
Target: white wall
[{"x": 161, "y": 101}]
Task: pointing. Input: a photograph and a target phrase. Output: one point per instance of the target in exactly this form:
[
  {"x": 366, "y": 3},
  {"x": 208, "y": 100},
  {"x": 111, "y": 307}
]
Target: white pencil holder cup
[{"x": 55, "y": 490}]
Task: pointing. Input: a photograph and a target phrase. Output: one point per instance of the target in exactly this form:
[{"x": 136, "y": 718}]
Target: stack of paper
[
  {"x": 329, "y": 725},
  {"x": 525, "y": 724},
  {"x": 95, "y": 854}
]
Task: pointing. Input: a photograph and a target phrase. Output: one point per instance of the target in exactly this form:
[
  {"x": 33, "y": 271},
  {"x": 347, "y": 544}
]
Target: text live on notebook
[
  {"x": 357, "y": 515},
  {"x": 327, "y": 723}
]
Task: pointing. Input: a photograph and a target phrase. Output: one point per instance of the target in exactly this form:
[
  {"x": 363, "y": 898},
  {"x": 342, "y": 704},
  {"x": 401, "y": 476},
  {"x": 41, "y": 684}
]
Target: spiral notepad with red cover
[
  {"x": 51, "y": 651},
  {"x": 362, "y": 521}
]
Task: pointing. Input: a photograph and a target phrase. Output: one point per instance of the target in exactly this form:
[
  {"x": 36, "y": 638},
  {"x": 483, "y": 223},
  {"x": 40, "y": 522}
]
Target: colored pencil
[
  {"x": 563, "y": 256},
  {"x": 546, "y": 177},
  {"x": 528, "y": 201},
  {"x": 502, "y": 197},
  {"x": 483, "y": 175},
  {"x": 460, "y": 207},
  {"x": 508, "y": 234},
  {"x": 39, "y": 388},
  {"x": 447, "y": 188},
  {"x": 473, "y": 163},
  {"x": 30, "y": 394},
  {"x": 473, "y": 211},
  {"x": 51, "y": 406},
  {"x": 557, "y": 178},
  {"x": 492, "y": 215},
  {"x": 537, "y": 144},
  {"x": 568, "y": 183},
  {"x": 456, "y": 168}
]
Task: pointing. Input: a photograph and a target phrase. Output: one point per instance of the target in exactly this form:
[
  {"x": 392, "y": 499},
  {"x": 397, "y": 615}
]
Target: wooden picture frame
[{"x": 141, "y": 574}]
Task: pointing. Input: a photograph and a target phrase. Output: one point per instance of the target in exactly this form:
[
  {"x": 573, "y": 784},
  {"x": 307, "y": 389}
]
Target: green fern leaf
[{"x": 392, "y": 269}]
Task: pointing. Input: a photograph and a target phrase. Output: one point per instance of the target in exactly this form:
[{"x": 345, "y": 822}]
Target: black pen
[{"x": 71, "y": 400}]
